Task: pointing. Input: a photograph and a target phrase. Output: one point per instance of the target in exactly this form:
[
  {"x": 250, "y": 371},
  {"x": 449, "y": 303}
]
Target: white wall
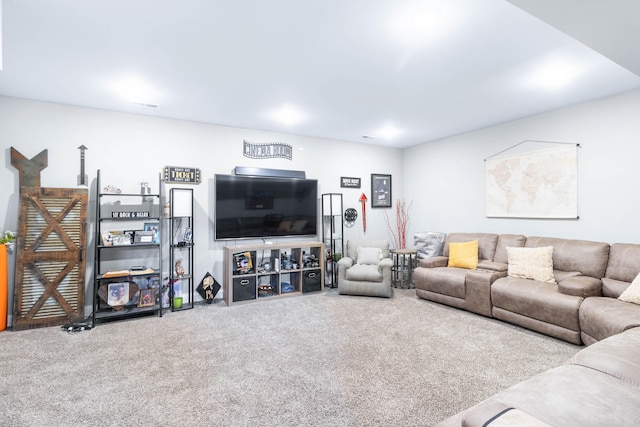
[
  {"x": 130, "y": 148},
  {"x": 445, "y": 179}
]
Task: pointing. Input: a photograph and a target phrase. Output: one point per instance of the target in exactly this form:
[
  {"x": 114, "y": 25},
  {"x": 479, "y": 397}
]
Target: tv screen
[{"x": 258, "y": 207}]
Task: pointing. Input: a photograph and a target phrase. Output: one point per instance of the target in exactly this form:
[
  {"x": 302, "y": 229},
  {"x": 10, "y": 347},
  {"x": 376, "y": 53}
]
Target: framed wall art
[{"x": 380, "y": 190}]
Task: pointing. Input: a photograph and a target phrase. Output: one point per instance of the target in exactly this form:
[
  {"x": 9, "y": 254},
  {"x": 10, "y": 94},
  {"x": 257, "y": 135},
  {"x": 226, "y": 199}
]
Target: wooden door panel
[{"x": 50, "y": 269}]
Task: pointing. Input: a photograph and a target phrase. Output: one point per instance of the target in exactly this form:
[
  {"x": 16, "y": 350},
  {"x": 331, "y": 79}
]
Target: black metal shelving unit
[
  {"x": 332, "y": 235},
  {"x": 125, "y": 214},
  {"x": 181, "y": 246}
]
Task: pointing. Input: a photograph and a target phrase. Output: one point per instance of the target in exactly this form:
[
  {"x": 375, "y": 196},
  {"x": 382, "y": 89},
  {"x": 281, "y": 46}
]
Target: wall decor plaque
[
  {"x": 349, "y": 182},
  {"x": 181, "y": 175}
]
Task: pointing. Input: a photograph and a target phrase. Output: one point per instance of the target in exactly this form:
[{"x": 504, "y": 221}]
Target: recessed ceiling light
[
  {"x": 418, "y": 22},
  {"x": 554, "y": 74},
  {"x": 287, "y": 115},
  {"x": 136, "y": 91},
  {"x": 388, "y": 131}
]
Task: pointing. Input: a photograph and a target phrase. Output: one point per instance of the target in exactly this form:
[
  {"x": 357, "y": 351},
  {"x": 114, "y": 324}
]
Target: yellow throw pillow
[{"x": 463, "y": 255}]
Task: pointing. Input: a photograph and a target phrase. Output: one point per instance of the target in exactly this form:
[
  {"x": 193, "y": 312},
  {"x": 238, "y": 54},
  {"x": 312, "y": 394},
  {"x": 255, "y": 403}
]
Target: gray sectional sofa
[{"x": 581, "y": 307}]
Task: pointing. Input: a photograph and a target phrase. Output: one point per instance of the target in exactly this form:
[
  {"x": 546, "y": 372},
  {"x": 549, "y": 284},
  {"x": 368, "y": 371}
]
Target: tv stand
[{"x": 272, "y": 270}]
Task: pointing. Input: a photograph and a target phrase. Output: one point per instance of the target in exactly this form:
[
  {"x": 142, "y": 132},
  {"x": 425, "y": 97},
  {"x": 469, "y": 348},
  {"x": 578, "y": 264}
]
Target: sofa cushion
[
  {"x": 442, "y": 280},
  {"x": 364, "y": 273},
  {"x": 463, "y": 254},
  {"x": 486, "y": 243},
  {"x": 589, "y": 258},
  {"x": 618, "y": 356},
  {"x": 613, "y": 288},
  {"x": 602, "y": 317},
  {"x": 353, "y": 245},
  {"x": 531, "y": 263},
  {"x": 632, "y": 293},
  {"x": 624, "y": 262},
  {"x": 369, "y": 256},
  {"x": 536, "y": 300},
  {"x": 505, "y": 240}
]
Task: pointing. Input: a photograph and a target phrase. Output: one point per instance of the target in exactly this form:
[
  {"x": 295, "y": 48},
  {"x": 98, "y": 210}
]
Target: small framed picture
[
  {"x": 155, "y": 227},
  {"x": 120, "y": 239},
  {"x": 118, "y": 294},
  {"x": 147, "y": 297},
  {"x": 380, "y": 191},
  {"x": 107, "y": 238},
  {"x": 188, "y": 235}
]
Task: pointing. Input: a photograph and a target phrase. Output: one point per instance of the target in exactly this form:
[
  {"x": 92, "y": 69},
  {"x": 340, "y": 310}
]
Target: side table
[{"x": 404, "y": 261}]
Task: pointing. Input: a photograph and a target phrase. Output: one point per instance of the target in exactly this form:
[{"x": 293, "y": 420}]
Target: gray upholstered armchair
[{"x": 366, "y": 269}]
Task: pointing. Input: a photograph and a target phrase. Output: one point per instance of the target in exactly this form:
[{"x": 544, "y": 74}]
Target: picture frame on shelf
[
  {"x": 142, "y": 237},
  {"x": 118, "y": 294},
  {"x": 107, "y": 238},
  {"x": 155, "y": 227},
  {"x": 147, "y": 297},
  {"x": 120, "y": 238},
  {"x": 188, "y": 235},
  {"x": 380, "y": 190}
]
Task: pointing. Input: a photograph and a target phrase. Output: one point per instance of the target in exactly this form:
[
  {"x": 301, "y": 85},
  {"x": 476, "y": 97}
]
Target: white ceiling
[{"x": 345, "y": 65}]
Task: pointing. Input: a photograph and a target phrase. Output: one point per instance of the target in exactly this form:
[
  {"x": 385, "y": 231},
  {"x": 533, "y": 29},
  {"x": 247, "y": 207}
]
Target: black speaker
[
  {"x": 244, "y": 288},
  {"x": 311, "y": 281}
]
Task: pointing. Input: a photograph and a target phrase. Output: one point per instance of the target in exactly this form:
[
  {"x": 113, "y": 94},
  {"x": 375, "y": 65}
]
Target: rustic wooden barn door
[{"x": 50, "y": 267}]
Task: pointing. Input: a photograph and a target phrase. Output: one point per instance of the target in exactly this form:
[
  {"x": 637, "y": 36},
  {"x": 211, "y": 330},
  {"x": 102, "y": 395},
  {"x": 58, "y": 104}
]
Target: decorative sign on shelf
[
  {"x": 348, "y": 182},
  {"x": 181, "y": 175},
  {"x": 138, "y": 214},
  {"x": 267, "y": 150}
]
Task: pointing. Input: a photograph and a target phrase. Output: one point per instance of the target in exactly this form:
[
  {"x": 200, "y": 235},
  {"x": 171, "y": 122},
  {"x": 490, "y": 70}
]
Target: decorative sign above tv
[
  {"x": 180, "y": 175},
  {"x": 268, "y": 150}
]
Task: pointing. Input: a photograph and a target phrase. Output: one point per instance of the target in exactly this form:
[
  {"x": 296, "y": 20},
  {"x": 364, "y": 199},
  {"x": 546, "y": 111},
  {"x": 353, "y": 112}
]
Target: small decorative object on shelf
[
  {"x": 208, "y": 288},
  {"x": 111, "y": 189},
  {"x": 145, "y": 188},
  {"x": 179, "y": 268},
  {"x": 188, "y": 234}
]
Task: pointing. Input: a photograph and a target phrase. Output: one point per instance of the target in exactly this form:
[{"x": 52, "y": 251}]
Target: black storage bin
[
  {"x": 311, "y": 281},
  {"x": 244, "y": 288}
]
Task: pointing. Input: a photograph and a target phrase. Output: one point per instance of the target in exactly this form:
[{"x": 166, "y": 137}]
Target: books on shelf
[{"x": 131, "y": 272}]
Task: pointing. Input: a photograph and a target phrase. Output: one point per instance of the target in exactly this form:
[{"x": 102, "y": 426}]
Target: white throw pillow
[
  {"x": 531, "y": 263},
  {"x": 632, "y": 293},
  {"x": 369, "y": 255}
]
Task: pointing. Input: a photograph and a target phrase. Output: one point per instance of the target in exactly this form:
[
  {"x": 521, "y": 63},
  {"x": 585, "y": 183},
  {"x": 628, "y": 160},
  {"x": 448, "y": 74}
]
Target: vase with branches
[{"x": 399, "y": 233}]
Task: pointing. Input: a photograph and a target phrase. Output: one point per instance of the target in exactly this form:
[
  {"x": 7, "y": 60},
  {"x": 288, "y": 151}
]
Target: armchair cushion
[
  {"x": 369, "y": 256},
  {"x": 364, "y": 272}
]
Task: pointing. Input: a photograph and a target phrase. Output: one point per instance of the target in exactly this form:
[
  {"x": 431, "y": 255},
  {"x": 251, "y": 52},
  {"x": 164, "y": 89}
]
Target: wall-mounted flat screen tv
[{"x": 249, "y": 207}]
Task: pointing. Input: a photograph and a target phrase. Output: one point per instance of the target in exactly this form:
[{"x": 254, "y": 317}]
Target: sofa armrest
[
  {"x": 436, "y": 261},
  {"x": 581, "y": 286},
  {"x": 385, "y": 266},
  {"x": 385, "y": 263},
  {"x": 478, "y": 290},
  {"x": 496, "y": 414},
  {"x": 343, "y": 264}
]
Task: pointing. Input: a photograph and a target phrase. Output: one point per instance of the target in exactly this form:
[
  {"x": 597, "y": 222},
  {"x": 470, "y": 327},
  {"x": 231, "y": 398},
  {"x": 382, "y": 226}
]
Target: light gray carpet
[{"x": 316, "y": 360}]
